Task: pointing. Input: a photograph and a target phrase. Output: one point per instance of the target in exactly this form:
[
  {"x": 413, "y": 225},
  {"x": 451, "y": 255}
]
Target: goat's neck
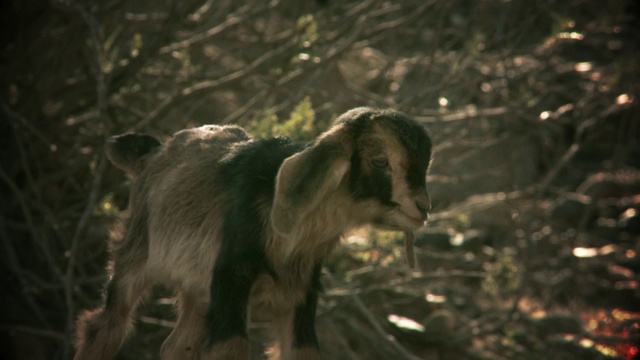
[{"x": 318, "y": 231}]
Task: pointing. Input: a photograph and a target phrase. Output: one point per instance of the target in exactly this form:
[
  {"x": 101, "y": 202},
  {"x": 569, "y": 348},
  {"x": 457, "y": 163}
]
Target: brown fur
[
  {"x": 232, "y": 349},
  {"x": 185, "y": 339},
  {"x": 173, "y": 233}
]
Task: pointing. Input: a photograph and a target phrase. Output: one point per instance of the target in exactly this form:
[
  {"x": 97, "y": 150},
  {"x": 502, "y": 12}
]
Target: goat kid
[{"x": 240, "y": 227}]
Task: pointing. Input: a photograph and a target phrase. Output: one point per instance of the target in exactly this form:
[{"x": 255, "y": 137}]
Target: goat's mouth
[{"x": 416, "y": 222}]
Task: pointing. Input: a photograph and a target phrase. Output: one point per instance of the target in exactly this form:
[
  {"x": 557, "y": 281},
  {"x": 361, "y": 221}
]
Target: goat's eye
[{"x": 379, "y": 163}]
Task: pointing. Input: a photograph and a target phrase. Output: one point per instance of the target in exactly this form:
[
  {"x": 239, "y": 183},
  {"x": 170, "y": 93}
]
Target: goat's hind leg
[
  {"x": 185, "y": 339},
  {"x": 101, "y": 332}
]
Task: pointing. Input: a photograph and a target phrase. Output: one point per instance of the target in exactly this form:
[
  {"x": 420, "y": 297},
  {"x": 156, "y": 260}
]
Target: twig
[
  {"x": 210, "y": 85},
  {"x": 101, "y": 93},
  {"x": 245, "y": 108},
  {"x": 35, "y": 331},
  {"x": 560, "y": 165},
  {"x": 30, "y": 223},
  {"x": 158, "y": 322},
  {"x": 524, "y": 281},
  {"x": 400, "y": 21},
  {"x": 24, "y": 122},
  {"x": 13, "y": 263},
  {"x": 451, "y": 274},
  {"x": 575, "y": 147},
  {"x": 380, "y": 330},
  {"x": 478, "y": 204},
  {"x": 466, "y": 114},
  {"x": 232, "y": 20}
]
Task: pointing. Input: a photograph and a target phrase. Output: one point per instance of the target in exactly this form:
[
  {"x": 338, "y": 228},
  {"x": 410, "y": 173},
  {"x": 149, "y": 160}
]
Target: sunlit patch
[
  {"x": 435, "y": 299},
  {"x": 620, "y": 271},
  {"x": 565, "y": 35},
  {"x": 584, "y": 67},
  {"x": 606, "y": 350},
  {"x": 626, "y": 285},
  {"x": 586, "y": 343},
  {"x": 405, "y": 323},
  {"x": 584, "y": 252},
  {"x": 570, "y": 35},
  {"x": 457, "y": 239},
  {"x": 623, "y": 99},
  {"x": 629, "y": 213},
  {"x": 538, "y": 314},
  {"x": 608, "y": 249},
  {"x": 356, "y": 240},
  {"x": 622, "y": 315},
  {"x": 618, "y": 326}
]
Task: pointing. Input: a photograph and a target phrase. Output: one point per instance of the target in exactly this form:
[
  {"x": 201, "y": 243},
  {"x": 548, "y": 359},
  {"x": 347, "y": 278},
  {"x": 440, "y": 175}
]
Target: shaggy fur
[{"x": 240, "y": 227}]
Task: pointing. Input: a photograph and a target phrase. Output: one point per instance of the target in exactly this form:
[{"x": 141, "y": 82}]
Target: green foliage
[
  {"x": 379, "y": 247},
  {"x": 504, "y": 277},
  {"x": 300, "y": 123},
  {"x": 461, "y": 222},
  {"x": 136, "y": 44},
  {"x": 186, "y": 66},
  {"x": 262, "y": 125},
  {"x": 111, "y": 50},
  {"x": 299, "y": 126},
  {"x": 475, "y": 44},
  {"x": 387, "y": 239},
  {"x": 308, "y": 25},
  {"x": 561, "y": 23}
]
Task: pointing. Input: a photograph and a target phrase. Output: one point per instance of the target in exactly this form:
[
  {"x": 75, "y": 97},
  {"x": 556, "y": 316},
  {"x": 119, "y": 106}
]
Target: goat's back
[{"x": 179, "y": 194}]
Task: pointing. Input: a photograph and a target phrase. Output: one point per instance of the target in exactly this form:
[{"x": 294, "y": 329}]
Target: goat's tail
[{"x": 130, "y": 151}]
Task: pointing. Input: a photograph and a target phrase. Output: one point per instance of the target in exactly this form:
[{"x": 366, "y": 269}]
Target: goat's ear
[
  {"x": 129, "y": 151},
  {"x": 306, "y": 177}
]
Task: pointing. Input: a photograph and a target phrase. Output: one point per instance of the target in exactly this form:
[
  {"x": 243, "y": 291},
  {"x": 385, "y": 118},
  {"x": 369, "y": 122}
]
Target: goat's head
[{"x": 380, "y": 156}]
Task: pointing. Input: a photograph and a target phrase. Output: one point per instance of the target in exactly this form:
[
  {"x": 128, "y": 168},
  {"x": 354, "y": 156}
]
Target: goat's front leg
[
  {"x": 305, "y": 341},
  {"x": 227, "y": 315},
  {"x": 297, "y": 331}
]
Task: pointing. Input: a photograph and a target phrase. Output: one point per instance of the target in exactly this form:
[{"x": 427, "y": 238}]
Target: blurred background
[{"x": 532, "y": 250}]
